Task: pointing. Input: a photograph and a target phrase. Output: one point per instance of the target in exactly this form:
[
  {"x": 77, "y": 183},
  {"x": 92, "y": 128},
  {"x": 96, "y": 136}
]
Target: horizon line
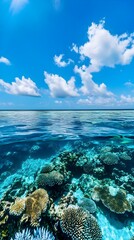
[{"x": 94, "y": 109}]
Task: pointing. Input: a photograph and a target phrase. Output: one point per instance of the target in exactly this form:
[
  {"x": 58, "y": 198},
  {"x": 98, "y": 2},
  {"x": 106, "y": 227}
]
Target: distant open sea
[{"x": 96, "y": 150}]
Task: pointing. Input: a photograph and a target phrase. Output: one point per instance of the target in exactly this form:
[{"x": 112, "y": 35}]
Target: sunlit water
[{"x": 29, "y": 139}]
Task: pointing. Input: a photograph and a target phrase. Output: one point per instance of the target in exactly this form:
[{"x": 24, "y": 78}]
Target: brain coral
[
  {"x": 117, "y": 201},
  {"x": 49, "y": 179},
  {"x": 109, "y": 158},
  {"x": 77, "y": 224}
]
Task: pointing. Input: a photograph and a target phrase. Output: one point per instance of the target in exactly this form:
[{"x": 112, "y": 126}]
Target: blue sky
[{"x": 57, "y": 54}]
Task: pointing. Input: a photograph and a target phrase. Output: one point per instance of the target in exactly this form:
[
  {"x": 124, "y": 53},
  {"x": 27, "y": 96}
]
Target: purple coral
[{"x": 39, "y": 234}]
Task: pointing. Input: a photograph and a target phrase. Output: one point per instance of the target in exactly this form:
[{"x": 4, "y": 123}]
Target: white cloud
[
  {"x": 126, "y": 99},
  {"x": 5, "y": 61},
  {"x": 89, "y": 87},
  {"x": 105, "y": 49},
  {"x": 6, "y": 104},
  {"x": 102, "y": 49},
  {"x": 59, "y": 87},
  {"x": 58, "y": 101},
  {"x": 98, "y": 101},
  {"x": 129, "y": 84},
  {"x": 59, "y": 62},
  {"x": 21, "y": 87},
  {"x": 17, "y": 5},
  {"x": 75, "y": 48}
]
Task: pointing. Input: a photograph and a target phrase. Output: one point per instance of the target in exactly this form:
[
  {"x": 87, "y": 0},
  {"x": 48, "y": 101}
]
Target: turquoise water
[{"x": 96, "y": 149}]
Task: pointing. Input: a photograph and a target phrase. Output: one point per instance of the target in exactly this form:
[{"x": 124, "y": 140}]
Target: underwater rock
[
  {"x": 77, "y": 223},
  {"x": 109, "y": 158},
  {"x": 88, "y": 204},
  {"x": 115, "y": 199}
]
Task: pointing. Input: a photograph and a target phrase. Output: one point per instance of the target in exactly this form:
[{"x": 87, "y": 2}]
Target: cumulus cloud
[
  {"x": 89, "y": 87},
  {"x": 126, "y": 99},
  {"x": 99, "y": 101},
  {"x": 60, "y": 62},
  {"x": 75, "y": 48},
  {"x": 59, "y": 87},
  {"x": 5, "y": 61},
  {"x": 129, "y": 84},
  {"x": 22, "y": 86},
  {"x": 5, "y": 104},
  {"x": 102, "y": 50},
  {"x": 105, "y": 49},
  {"x": 58, "y": 101},
  {"x": 17, "y": 5}
]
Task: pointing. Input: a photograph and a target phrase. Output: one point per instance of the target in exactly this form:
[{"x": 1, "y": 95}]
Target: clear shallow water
[
  {"x": 29, "y": 139},
  {"x": 47, "y": 125}
]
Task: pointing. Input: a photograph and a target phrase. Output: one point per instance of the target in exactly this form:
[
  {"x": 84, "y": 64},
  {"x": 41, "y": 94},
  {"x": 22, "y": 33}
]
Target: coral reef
[
  {"x": 36, "y": 203},
  {"x": 113, "y": 198},
  {"x": 49, "y": 179},
  {"x": 80, "y": 181},
  {"x": 56, "y": 210},
  {"x": 24, "y": 235},
  {"x": 47, "y": 168},
  {"x": 43, "y": 234},
  {"x": 39, "y": 234},
  {"x": 88, "y": 204},
  {"x": 31, "y": 207},
  {"x": 77, "y": 224},
  {"x": 18, "y": 207},
  {"x": 109, "y": 158}
]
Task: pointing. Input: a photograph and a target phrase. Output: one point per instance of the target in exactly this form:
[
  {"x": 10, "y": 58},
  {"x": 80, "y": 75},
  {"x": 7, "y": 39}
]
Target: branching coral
[
  {"x": 43, "y": 234},
  {"x": 24, "y": 235},
  {"x": 39, "y": 234},
  {"x": 77, "y": 224}
]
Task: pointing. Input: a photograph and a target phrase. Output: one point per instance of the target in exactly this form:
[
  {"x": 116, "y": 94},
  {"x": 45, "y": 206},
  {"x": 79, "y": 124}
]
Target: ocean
[{"x": 67, "y": 173}]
